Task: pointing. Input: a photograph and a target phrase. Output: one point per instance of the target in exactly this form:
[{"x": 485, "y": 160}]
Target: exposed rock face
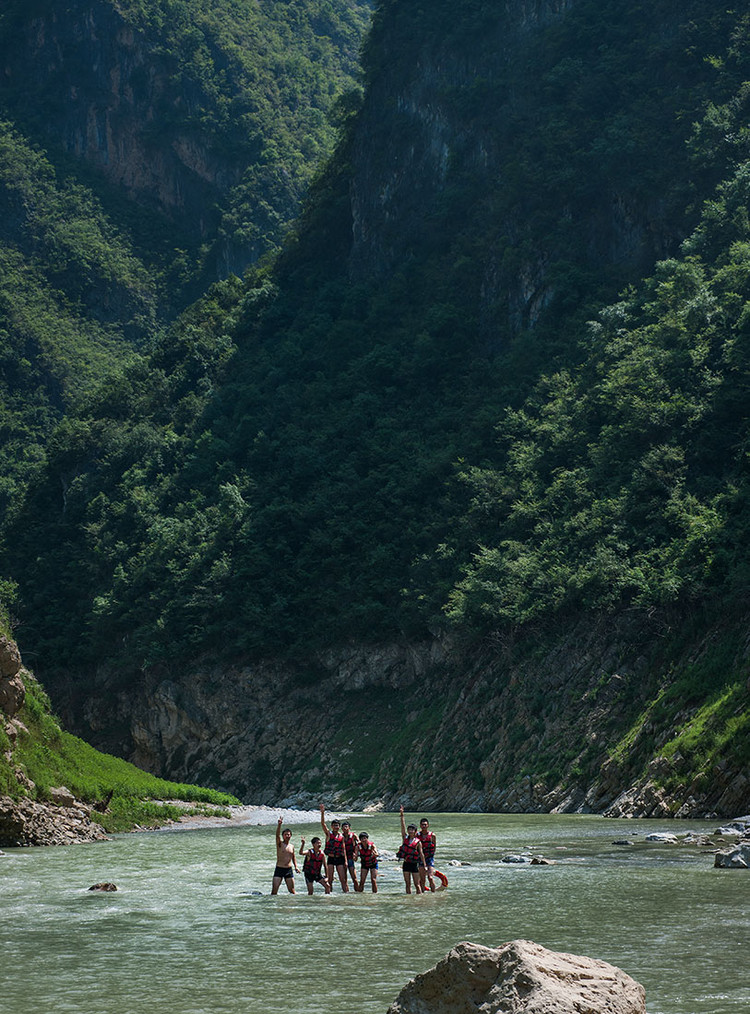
[
  {"x": 406, "y": 163},
  {"x": 283, "y": 733},
  {"x": 12, "y": 695},
  {"x": 10, "y": 657},
  {"x": 12, "y": 689},
  {"x": 24, "y": 823},
  {"x": 519, "y": 977},
  {"x": 115, "y": 88}
]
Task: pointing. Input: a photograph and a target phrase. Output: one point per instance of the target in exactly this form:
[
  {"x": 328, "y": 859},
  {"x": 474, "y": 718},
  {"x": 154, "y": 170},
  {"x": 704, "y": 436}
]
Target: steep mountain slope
[
  {"x": 280, "y": 478},
  {"x": 206, "y": 121},
  {"x": 145, "y": 150}
]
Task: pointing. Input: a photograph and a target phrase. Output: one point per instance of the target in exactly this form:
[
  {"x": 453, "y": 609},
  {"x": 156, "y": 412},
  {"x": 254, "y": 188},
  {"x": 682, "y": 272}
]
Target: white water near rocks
[{"x": 185, "y": 934}]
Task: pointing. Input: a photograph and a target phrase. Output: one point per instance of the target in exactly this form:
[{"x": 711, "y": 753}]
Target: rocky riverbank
[
  {"x": 24, "y": 822},
  {"x": 587, "y": 719}
]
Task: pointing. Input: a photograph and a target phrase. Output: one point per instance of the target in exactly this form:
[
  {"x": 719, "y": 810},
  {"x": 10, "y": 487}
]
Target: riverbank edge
[{"x": 44, "y": 824}]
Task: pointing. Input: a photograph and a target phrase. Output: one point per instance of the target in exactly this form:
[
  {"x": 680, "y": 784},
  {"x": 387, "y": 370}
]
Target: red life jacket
[
  {"x": 349, "y": 844},
  {"x": 428, "y": 843},
  {"x": 313, "y": 864},
  {"x": 367, "y": 855},
  {"x": 334, "y": 846},
  {"x": 410, "y": 848}
]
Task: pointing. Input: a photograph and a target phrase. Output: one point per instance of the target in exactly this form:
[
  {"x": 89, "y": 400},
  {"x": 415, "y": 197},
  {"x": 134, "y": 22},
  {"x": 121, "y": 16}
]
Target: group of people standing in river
[{"x": 322, "y": 863}]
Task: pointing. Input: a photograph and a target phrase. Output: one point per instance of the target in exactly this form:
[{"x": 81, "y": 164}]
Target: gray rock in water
[
  {"x": 737, "y": 858},
  {"x": 515, "y": 858},
  {"x": 662, "y": 837},
  {"x": 519, "y": 977},
  {"x": 104, "y": 886}
]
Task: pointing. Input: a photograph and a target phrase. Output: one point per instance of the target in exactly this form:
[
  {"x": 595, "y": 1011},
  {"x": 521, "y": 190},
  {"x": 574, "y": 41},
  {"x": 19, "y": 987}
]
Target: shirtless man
[{"x": 285, "y": 860}]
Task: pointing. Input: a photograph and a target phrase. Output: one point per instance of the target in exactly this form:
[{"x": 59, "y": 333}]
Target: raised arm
[
  {"x": 323, "y": 821},
  {"x": 278, "y": 832},
  {"x": 403, "y": 823}
]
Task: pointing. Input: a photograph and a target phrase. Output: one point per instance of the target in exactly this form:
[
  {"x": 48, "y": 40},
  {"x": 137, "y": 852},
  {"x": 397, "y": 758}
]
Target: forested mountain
[
  {"x": 489, "y": 402},
  {"x": 145, "y": 151}
]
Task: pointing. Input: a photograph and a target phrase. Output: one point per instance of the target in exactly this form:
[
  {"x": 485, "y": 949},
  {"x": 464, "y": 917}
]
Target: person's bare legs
[
  {"x": 276, "y": 885},
  {"x": 425, "y": 875},
  {"x": 341, "y": 868}
]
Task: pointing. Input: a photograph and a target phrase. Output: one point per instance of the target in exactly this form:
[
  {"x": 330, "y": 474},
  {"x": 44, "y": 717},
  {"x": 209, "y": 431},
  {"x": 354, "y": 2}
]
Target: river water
[{"x": 186, "y": 934}]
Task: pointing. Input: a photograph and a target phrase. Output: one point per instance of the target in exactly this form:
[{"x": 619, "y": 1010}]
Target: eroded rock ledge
[
  {"x": 519, "y": 977},
  {"x": 24, "y": 822}
]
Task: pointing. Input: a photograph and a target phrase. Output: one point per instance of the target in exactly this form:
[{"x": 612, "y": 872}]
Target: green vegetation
[
  {"x": 50, "y": 757},
  {"x": 228, "y": 101},
  {"x": 697, "y": 717},
  {"x": 280, "y": 472},
  {"x": 495, "y": 388}
]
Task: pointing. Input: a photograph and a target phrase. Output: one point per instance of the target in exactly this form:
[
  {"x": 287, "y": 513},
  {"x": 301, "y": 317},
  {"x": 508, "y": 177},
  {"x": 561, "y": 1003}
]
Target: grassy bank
[{"x": 48, "y": 757}]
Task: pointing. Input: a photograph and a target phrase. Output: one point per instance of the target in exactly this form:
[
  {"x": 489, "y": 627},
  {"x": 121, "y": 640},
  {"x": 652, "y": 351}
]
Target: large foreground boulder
[{"x": 519, "y": 977}]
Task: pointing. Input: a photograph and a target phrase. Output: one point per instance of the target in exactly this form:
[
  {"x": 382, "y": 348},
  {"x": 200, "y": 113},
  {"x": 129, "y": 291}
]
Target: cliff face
[
  {"x": 580, "y": 721},
  {"x": 210, "y": 120},
  {"x": 104, "y": 95},
  {"x": 501, "y": 147},
  {"x": 460, "y": 118}
]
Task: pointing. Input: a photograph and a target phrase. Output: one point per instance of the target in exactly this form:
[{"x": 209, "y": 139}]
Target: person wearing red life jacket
[
  {"x": 368, "y": 857},
  {"x": 411, "y": 854},
  {"x": 351, "y": 848},
  {"x": 335, "y": 850},
  {"x": 314, "y": 865},
  {"x": 429, "y": 844}
]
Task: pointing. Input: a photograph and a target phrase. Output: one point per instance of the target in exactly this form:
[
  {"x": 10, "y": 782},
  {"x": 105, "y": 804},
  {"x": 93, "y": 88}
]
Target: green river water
[{"x": 185, "y": 934}]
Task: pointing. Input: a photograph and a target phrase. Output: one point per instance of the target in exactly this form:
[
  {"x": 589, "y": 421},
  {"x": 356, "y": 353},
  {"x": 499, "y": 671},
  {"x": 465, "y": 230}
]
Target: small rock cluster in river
[
  {"x": 737, "y": 858},
  {"x": 519, "y": 977},
  {"x": 24, "y": 822}
]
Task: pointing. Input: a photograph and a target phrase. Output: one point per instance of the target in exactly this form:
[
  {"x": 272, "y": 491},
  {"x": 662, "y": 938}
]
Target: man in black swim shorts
[{"x": 285, "y": 860}]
